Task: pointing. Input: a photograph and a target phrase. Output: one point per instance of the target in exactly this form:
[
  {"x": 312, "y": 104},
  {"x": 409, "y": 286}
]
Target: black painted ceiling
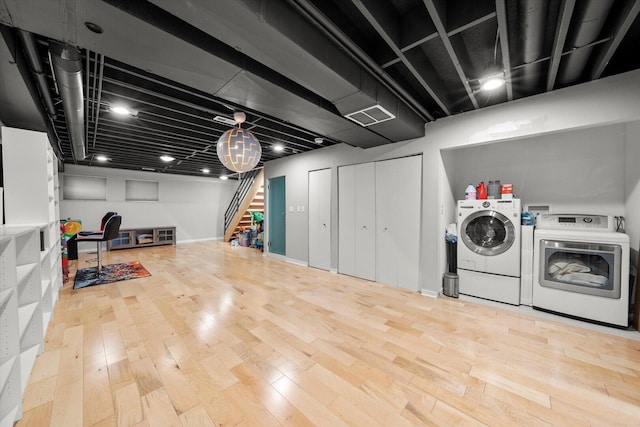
[{"x": 295, "y": 67}]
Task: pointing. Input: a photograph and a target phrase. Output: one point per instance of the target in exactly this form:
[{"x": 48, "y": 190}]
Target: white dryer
[
  {"x": 489, "y": 249},
  {"x": 581, "y": 268}
]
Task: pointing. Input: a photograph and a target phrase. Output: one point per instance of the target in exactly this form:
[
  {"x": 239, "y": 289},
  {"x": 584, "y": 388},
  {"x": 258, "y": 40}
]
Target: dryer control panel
[{"x": 575, "y": 222}]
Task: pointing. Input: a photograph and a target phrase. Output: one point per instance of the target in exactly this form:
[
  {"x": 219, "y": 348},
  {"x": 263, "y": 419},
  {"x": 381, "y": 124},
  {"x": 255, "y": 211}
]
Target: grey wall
[
  {"x": 194, "y": 205},
  {"x": 296, "y": 170},
  {"x": 545, "y": 119},
  {"x": 632, "y": 186},
  {"x": 573, "y": 172}
]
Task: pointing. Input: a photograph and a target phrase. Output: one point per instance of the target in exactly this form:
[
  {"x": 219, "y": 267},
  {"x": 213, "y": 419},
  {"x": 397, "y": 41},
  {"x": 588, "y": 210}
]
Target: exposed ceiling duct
[
  {"x": 67, "y": 66},
  {"x": 31, "y": 53},
  {"x": 334, "y": 84},
  {"x": 302, "y": 70},
  {"x": 591, "y": 20},
  {"x": 533, "y": 16},
  {"x": 346, "y": 81}
]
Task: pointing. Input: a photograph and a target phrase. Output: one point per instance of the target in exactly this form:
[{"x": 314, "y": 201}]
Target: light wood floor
[{"x": 224, "y": 336}]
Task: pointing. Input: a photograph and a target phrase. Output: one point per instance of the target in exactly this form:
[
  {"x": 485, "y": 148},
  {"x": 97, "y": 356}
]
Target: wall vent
[{"x": 370, "y": 116}]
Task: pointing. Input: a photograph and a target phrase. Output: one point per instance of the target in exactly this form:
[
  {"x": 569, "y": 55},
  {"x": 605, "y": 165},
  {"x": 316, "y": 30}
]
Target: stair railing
[{"x": 246, "y": 182}]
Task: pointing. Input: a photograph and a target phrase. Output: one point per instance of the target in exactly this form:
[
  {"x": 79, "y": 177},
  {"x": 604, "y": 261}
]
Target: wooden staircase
[
  {"x": 257, "y": 204},
  {"x": 253, "y": 200}
]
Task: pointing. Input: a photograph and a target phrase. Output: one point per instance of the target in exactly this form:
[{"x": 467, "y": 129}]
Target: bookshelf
[{"x": 30, "y": 260}]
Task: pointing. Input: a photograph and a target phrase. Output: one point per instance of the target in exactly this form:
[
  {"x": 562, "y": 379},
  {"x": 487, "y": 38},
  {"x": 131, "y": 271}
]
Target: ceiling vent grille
[
  {"x": 225, "y": 120},
  {"x": 370, "y": 116}
]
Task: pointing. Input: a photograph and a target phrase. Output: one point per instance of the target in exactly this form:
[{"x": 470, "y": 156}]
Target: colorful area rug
[{"x": 110, "y": 273}]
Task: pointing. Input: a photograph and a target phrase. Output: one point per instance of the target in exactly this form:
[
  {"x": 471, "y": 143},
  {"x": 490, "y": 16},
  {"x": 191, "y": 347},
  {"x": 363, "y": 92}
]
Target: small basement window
[{"x": 141, "y": 191}]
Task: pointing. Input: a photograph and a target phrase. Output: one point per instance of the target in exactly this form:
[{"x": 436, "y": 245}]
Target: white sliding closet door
[
  {"x": 320, "y": 219},
  {"x": 365, "y": 251},
  {"x": 347, "y": 220},
  {"x": 398, "y": 195},
  {"x": 356, "y": 221}
]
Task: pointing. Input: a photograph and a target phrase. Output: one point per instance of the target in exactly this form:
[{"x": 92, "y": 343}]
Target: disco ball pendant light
[{"x": 238, "y": 149}]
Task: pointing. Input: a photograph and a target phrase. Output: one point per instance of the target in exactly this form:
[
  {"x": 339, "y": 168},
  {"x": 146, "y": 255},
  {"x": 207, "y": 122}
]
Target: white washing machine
[
  {"x": 489, "y": 237},
  {"x": 581, "y": 268}
]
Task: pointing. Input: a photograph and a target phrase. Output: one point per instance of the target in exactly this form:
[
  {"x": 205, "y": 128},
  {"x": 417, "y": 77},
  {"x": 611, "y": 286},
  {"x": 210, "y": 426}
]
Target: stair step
[{"x": 255, "y": 205}]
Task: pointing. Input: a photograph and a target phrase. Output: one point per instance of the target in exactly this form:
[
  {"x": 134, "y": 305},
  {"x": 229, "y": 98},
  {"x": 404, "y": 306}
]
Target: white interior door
[
  {"x": 347, "y": 220},
  {"x": 408, "y": 196},
  {"x": 398, "y": 202},
  {"x": 386, "y": 227},
  {"x": 320, "y": 219},
  {"x": 365, "y": 221}
]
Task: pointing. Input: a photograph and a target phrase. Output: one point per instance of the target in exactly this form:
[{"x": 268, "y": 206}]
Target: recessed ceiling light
[
  {"x": 318, "y": 141},
  {"x": 278, "y": 147},
  {"x": 119, "y": 109},
  {"x": 102, "y": 158},
  {"x": 166, "y": 158},
  {"x": 205, "y": 170},
  {"x": 224, "y": 177}
]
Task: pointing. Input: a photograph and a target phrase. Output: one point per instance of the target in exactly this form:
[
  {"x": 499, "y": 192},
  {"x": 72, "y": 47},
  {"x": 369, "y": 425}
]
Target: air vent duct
[
  {"x": 67, "y": 66},
  {"x": 225, "y": 120},
  {"x": 370, "y": 116}
]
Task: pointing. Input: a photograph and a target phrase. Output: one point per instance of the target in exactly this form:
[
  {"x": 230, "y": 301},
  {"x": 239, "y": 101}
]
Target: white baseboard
[
  {"x": 208, "y": 239},
  {"x": 297, "y": 262},
  {"x": 276, "y": 256},
  {"x": 430, "y": 293},
  {"x": 333, "y": 270}
]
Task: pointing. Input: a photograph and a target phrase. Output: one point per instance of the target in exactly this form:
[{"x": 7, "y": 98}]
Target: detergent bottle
[
  {"x": 481, "y": 191},
  {"x": 470, "y": 192}
]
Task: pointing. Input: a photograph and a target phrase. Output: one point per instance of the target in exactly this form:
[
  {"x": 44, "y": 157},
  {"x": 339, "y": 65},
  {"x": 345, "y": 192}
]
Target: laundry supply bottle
[
  {"x": 481, "y": 191},
  {"x": 470, "y": 192},
  {"x": 493, "y": 190}
]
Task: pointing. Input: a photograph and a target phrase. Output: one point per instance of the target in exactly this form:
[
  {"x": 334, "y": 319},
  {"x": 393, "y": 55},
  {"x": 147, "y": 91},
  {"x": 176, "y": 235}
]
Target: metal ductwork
[
  {"x": 532, "y": 15},
  {"x": 67, "y": 66},
  {"x": 307, "y": 69},
  {"x": 361, "y": 91},
  {"x": 591, "y": 20},
  {"x": 31, "y": 53}
]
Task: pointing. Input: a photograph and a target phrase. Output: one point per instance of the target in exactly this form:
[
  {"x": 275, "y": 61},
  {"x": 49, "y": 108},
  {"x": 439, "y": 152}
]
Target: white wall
[
  {"x": 605, "y": 102},
  {"x": 632, "y": 186},
  {"x": 573, "y": 172},
  {"x": 296, "y": 171},
  {"x": 194, "y": 205}
]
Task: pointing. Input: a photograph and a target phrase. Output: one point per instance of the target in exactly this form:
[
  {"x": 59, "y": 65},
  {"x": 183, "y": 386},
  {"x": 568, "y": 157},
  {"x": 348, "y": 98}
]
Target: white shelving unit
[
  {"x": 10, "y": 384},
  {"x": 20, "y": 315},
  {"x": 30, "y": 260}
]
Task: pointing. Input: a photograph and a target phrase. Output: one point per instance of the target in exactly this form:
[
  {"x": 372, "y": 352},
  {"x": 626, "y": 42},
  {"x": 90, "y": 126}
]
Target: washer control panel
[{"x": 576, "y": 222}]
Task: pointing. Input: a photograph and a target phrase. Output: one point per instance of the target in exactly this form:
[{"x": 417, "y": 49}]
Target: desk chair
[
  {"x": 102, "y": 224},
  {"x": 109, "y": 232},
  {"x": 72, "y": 243}
]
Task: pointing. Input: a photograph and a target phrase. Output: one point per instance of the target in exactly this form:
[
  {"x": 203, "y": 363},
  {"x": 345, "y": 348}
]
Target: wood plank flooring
[{"x": 222, "y": 336}]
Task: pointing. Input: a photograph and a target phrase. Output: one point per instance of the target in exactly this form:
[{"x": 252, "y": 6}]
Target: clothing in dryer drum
[{"x": 581, "y": 267}]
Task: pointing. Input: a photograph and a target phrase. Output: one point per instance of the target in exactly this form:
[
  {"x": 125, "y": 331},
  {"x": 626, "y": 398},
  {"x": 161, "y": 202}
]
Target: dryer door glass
[
  {"x": 488, "y": 233},
  {"x": 586, "y": 268}
]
